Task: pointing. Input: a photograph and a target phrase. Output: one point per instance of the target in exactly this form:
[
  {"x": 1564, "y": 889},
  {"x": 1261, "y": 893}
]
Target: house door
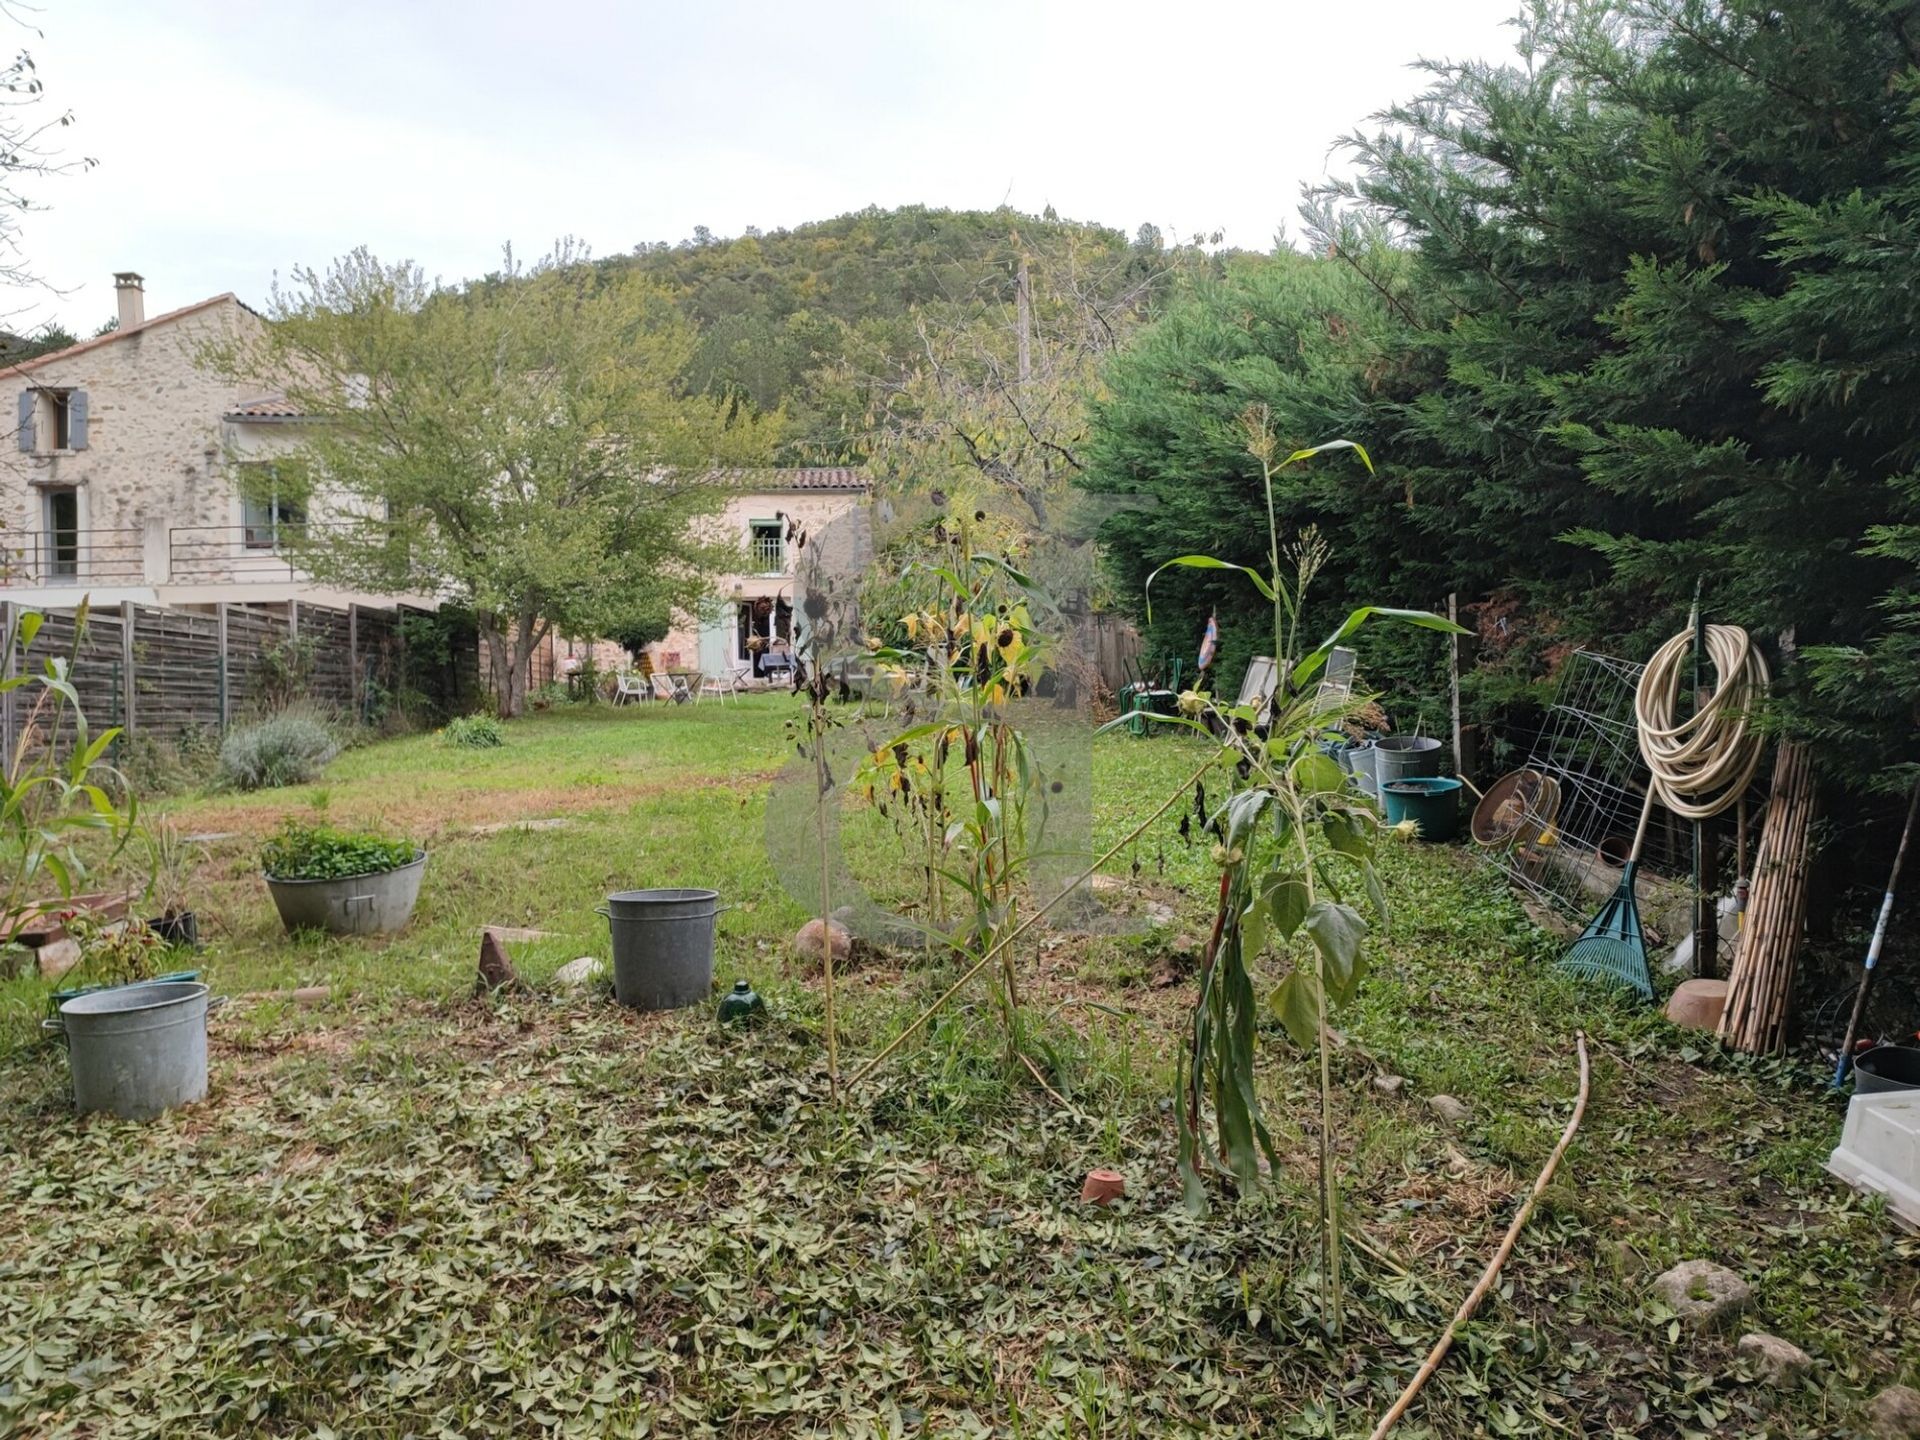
[
  {"x": 716, "y": 641},
  {"x": 768, "y": 619},
  {"x": 61, "y": 555}
]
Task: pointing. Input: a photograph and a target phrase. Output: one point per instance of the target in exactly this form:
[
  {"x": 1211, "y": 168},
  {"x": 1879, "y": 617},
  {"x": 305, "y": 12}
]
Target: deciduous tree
[{"x": 521, "y": 446}]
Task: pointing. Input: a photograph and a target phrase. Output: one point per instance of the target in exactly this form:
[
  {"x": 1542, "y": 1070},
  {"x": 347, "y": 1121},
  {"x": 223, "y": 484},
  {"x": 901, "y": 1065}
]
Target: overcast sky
[{"x": 235, "y": 140}]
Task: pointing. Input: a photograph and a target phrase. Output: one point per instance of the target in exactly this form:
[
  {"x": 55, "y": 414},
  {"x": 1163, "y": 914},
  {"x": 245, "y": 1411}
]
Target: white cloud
[{"x": 235, "y": 140}]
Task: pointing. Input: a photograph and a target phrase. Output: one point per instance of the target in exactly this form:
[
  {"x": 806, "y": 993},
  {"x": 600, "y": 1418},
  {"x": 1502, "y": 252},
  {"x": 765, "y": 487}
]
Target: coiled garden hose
[{"x": 1703, "y": 764}]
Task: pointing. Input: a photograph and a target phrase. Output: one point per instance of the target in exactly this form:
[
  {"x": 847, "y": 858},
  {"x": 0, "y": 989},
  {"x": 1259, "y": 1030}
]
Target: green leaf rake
[{"x": 1613, "y": 948}]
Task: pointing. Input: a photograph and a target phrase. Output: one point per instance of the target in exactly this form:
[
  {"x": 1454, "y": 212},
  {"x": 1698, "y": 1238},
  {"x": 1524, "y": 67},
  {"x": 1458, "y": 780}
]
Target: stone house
[
  {"x": 121, "y": 481},
  {"x": 765, "y": 512},
  {"x": 122, "y": 484}
]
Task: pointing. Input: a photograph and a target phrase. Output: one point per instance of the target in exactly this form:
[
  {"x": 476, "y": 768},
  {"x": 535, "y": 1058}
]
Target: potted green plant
[
  {"x": 340, "y": 882},
  {"x": 171, "y": 859}
]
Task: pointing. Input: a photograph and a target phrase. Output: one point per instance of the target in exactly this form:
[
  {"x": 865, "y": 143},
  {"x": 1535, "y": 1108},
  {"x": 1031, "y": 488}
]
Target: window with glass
[
  {"x": 62, "y": 542},
  {"x": 267, "y": 518}
]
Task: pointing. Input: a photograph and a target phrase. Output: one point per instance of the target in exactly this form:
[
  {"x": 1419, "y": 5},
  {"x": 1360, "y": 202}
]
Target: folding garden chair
[{"x": 722, "y": 683}]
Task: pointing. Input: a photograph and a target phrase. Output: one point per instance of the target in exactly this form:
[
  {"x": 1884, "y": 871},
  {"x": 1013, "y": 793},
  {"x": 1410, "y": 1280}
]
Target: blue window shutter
[
  {"x": 76, "y": 420},
  {"x": 25, "y": 432}
]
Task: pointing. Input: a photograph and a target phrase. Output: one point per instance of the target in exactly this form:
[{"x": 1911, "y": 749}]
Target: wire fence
[{"x": 1568, "y": 838}]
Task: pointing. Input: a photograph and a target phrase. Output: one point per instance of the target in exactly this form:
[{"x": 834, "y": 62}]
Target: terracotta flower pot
[{"x": 1102, "y": 1187}]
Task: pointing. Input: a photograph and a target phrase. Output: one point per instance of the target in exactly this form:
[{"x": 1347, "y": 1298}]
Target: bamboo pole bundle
[{"x": 1760, "y": 990}]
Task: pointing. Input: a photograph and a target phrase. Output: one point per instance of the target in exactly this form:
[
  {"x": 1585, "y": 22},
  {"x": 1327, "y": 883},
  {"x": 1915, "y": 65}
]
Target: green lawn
[{"x": 405, "y": 1211}]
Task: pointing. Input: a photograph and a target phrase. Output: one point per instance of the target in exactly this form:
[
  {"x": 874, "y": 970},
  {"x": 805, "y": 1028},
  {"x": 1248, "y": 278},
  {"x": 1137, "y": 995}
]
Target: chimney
[{"x": 132, "y": 296}]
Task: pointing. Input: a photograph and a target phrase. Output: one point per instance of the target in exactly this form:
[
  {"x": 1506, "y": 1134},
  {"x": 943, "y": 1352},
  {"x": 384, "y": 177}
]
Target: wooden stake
[
  {"x": 1760, "y": 991},
  {"x": 1492, "y": 1272}
]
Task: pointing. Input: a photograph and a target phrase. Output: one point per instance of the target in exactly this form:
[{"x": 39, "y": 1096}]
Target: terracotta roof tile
[
  {"x": 797, "y": 477},
  {"x": 271, "y": 407},
  {"x": 25, "y": 366}
]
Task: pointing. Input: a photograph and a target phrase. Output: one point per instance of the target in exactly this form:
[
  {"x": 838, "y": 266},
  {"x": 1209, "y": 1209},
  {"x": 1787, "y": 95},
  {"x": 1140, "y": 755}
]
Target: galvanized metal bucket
[
  {"x": 662, "y": 946},
  {"x": 375, "y": 904},
  {"x": 136, "y": 1050},
  {"x": 1405, "y": 757},
  {"x": 1360, "y": 764}
]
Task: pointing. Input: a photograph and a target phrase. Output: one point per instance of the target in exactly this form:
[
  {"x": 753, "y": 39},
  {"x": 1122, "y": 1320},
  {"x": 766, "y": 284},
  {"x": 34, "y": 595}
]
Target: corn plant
[
  {"x": 967, "y": 776},
  {"x": 1295, "y": 845},
  {"x": 56, "y": 788}
]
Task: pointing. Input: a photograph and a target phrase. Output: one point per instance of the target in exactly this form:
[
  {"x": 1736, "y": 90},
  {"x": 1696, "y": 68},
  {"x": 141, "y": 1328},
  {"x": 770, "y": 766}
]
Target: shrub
[
  {"x": 474, "y": 732},
  {"x": 161, "y": 765},
  {"x": 288, "y": 749},
  {"x": 315, "y": 852}
]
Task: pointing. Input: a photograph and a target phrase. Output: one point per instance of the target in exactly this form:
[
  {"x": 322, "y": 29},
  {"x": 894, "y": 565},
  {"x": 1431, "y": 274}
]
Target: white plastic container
[{"x": 1879, "y": 1151}]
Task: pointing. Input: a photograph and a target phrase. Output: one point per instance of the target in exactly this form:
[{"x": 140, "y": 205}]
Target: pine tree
[{"x": 1661, "y": 326}]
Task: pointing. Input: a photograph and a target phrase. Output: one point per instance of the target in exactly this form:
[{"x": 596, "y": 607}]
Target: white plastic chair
[
  {"x": 723, "y": 683},
  {"x": 629, "y": 686}
]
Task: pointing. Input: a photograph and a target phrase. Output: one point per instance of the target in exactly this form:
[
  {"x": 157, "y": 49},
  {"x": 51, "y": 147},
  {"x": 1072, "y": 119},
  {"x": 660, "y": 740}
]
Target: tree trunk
[
  {"x": 498, "y": 665},
  {"x": 510, "y": 659}
]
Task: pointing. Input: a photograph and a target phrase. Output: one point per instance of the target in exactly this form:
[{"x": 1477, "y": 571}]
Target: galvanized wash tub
[
  {"x": 376, "y": 904},
  {"x": 662, "y": 946},
  {"x": 136, "y": 1050},
  {"x": 1405, "y": 757}
]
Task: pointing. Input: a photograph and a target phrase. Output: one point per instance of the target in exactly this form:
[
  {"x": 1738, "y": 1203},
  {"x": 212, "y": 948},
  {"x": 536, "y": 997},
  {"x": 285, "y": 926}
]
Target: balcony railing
[
  {"x": 194, "y": 555},
  {"x": 72, "y": 557},
  {"x": 232, "y": 554},
  {"x": 189, "y": 554},
  {"x": 769, "y": 554}
]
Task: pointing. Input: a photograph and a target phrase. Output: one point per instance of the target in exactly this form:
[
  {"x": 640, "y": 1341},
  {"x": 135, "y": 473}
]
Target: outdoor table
[{"x": 683, "y": 682}]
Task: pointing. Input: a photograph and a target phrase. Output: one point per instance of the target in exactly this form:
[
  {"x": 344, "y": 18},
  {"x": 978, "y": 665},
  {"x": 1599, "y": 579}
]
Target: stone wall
[{"x": 156, "y": 445}]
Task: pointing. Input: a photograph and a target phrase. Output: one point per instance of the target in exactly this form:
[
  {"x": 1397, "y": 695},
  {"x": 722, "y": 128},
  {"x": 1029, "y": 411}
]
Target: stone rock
[
  {"x": 57, "y": 957},
  {"x": 1774, "y": 1358},
  {"x": 578, "y": 974},
  {"x": 1451, "y": 1110},
  {"x": 1696, "y": 1004},
  {"x": 809, "y": 946},
  {"x": 1389, "y": 1084},
  {"x": 1702, "y": 1293},
  {"x": 1107, "y": 885},
  {"x": 496, "y": 970},
  {"x": 1160, "y": 914},
  {"x": 1894, "y": 1414}
]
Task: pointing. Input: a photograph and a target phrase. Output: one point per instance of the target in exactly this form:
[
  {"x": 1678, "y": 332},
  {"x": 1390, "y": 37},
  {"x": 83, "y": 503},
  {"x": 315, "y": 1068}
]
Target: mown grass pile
[{"x": 405, "y": 1211}]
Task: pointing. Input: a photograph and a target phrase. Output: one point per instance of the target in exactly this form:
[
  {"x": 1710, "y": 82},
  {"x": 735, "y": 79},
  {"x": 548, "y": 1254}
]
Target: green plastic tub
[{"x": 1431, "y": 802}]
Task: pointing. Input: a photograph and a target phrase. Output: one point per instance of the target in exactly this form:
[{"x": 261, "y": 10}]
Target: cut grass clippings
[{"x": 407, "y": 1212}]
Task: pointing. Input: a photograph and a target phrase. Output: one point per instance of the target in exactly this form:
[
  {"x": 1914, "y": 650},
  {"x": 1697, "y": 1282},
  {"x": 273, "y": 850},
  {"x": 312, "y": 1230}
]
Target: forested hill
[{"x": 822, "y": 317}]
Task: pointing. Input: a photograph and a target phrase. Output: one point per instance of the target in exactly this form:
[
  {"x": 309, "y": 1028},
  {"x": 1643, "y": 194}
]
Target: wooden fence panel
[
  {"x": 252, "y": 631},
  {"x": 177, "y": 672},
  {"x": 96, "y": 670},
  {"x": 205, "y": 669},
  {"x": 324, "y": 637},
  {"x": 1116, "y": 650}
]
